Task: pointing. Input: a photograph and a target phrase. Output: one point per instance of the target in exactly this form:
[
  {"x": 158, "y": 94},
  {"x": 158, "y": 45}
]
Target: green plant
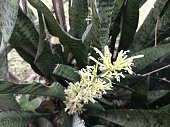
[{"x": 138, "y": 100}]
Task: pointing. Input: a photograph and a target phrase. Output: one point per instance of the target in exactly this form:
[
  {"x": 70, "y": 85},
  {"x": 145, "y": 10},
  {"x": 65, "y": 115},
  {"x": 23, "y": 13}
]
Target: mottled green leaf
[
  {"x": 25, "y": 34},
  {"x": 8, "y": 103},
  {"x": 18, "y": 118},
  {"x": 136, "y": 118},
  {"x": 25, "y": 40},
  {"x": 148, "y": 25},
  {"x": 74, "y": 45},
  {"x": 46, "y": 61},
  {"x": 8, "y": 16},
  {"x": 163, "y": 28},
  {"x": 150, "y": 55},
  {"x": 55, "y": 90},
  {"x": 78, "y": 11},
  {"x": 101, "y": 21}
]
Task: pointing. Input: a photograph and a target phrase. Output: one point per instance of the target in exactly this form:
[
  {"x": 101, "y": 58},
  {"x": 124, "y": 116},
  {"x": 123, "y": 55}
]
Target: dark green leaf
[
  {"x": 42, "y": 122},
  {"x": 141, "y": 2},
  {"x": 46, "y": 61},
  {"x": 67, "y": 72},
  {"x": 116, "y": 21},
  {"x": 158, "y": 96},
  {"x": 140, "y": 94},
  {"x": 129, "y": 23}
]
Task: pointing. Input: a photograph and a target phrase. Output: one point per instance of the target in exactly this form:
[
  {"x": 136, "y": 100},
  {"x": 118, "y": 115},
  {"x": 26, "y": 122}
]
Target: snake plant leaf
[
  {"x": 55, "y": 90},
  {"x": 99, "y": 126},
  {"x": 147, "y": 27},
  {"x": 8, "y": 16},
  {"x": 27, "y": 33},
  {"x": 77, "y": 122},
  {"x": 42, "y": 36},
  {"x": 67, "y": 72},
  {"x": 8, "y": 103},
  {"x": 101, "y": 21},
  {"x": 165, "y": 108},
  {"x": 140, "y": 94},
  {"x": 68, "y": 119},
  {"x": 87, "y": 36},
  {"x": 163, "y": 29},
  {"x": 18, "y": 118},
  {"x": 46, "y": 61},
  {"x": 59, "y": 53},
  {"x": 150, "y": 55},
  {"x": 42, "y": 122},
  {"x": 141, "y": 2},
  {"x": 78, "y": 11},
  {"x": 136, "y": 118},
  {"x": 75, "y": 45},
  {"x": 114, "y": 33},
  {"x": 115, "y": 23},
  {"x": 25, "y": 40},
  {"x": 118, "y": 4},
  {"x": 158, "y": 97},
  {"x": 129, "y": 23}
]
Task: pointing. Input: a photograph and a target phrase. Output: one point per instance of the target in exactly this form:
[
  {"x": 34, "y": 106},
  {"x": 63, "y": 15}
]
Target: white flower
[{"x": 89, "y": 88}]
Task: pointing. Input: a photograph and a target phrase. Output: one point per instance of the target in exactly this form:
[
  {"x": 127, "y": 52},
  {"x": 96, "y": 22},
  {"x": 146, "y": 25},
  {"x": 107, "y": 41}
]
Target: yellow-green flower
[
  {"x": 124, "y": 63},
  {"x": 109, "y": 69}
]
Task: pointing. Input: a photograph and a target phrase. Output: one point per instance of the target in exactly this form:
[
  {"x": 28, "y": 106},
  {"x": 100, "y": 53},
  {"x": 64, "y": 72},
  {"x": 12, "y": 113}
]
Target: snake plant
[{"x": 139, "y": 100}]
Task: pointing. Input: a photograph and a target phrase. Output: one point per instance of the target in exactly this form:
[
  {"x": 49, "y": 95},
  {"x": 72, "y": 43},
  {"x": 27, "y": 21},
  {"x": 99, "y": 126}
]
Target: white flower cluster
[{"x": 93, "y": 85}]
